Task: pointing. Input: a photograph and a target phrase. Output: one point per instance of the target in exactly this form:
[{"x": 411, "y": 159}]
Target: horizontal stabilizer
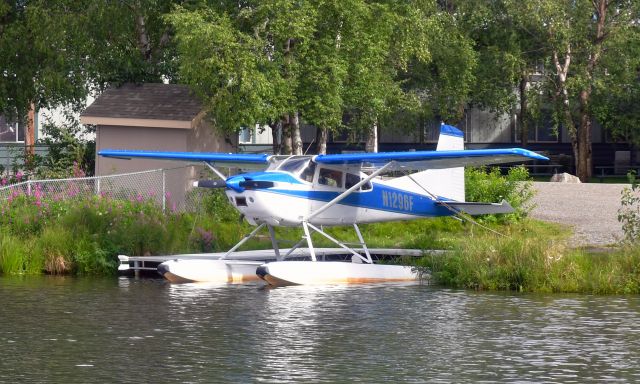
[{"x": 473, "y": 209}]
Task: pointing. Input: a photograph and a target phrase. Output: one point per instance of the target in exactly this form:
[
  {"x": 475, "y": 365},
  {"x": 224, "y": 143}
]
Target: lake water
[{"x": 81, "y": 330}]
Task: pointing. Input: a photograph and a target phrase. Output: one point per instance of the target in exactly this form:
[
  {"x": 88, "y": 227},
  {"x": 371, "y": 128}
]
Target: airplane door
[{"x": 328, "y": 183}]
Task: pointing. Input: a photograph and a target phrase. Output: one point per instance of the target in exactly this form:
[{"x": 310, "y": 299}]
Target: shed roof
[{"x": 148, "y": 105}]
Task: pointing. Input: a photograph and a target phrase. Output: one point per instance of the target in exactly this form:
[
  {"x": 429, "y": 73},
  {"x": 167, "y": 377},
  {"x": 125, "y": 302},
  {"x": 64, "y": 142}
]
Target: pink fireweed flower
[
  {"x": 19, "y": 176},
  {"x": 38, "y": 193}
]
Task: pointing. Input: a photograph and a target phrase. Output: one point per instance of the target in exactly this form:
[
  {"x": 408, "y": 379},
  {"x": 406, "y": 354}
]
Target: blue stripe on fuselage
[{"x": 381, "y": 197}]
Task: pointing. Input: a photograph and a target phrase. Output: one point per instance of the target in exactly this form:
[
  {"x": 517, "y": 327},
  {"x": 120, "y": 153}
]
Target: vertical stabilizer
[{"x": 446, "y": 183}]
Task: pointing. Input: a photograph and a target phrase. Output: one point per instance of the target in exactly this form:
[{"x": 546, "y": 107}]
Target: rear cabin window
[
  {"x": 351, "y": 180},
  {"x": 330, "y": 177}
]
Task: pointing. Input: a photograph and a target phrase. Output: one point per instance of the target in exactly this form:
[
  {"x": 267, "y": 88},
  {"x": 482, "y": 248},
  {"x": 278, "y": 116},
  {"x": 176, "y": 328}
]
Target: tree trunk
[
  {"x": 276, "y": 137},
  {"x": 286, "y": 135},
  {"x": 322, "y": 134},
  {"x": 30, "y": 132},
  {"x": 583, "y": 164},
  {"x": 372, "y": 138},
  {"x": 296, "y": 139},
  {"x": 144, "y": 44},
  {"x": 581, "y": 140},
  {"x": 524, "y": 121}
]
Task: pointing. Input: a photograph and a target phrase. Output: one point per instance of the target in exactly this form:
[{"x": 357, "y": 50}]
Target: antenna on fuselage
[{"x": 309, "y": 146}]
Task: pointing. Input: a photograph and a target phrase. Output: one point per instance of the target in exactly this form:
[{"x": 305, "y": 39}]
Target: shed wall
[{"x": 151, "y": 139}]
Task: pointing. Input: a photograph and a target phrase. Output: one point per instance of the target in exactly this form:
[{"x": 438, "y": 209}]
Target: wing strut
[{"x": 215, "y": 170}]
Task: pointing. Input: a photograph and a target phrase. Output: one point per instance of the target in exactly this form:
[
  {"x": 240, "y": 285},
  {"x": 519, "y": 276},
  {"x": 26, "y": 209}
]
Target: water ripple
[{"x": 115, "y": 330}]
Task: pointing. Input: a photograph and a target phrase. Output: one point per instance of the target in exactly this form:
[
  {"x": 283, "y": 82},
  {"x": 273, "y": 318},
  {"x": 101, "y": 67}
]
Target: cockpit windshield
[{"x": 293, "y": 165}]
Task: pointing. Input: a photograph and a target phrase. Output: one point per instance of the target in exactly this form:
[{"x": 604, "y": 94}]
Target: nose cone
[
  {"x": 262, "y": 271},
  {"x": 234, "y": 183},
  {"x": 163, "y": 269}
]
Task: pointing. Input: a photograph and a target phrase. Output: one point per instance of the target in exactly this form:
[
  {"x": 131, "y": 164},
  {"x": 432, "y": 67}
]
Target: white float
[
  {"x": 212, "y": 271},
  {"x": 333, "y": 272}
]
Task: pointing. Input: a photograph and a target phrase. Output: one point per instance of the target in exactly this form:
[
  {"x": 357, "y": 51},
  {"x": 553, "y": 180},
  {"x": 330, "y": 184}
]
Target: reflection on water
[{"x": 116, "y": 330}]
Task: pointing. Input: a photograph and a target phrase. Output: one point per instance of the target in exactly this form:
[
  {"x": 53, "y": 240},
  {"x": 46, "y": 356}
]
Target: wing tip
[{"x": 530, "y": 154}]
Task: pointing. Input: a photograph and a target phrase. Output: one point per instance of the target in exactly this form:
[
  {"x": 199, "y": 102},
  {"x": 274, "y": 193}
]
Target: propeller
[
  {"x": 236, "y": 183},
  {"x": 210, "y": 184}
]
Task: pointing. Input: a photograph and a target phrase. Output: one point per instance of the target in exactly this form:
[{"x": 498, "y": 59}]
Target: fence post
[
  {"x": 164, "y": 191},
  {"x": 29, "y": 188},
  {"x": 97, "y": 186}
]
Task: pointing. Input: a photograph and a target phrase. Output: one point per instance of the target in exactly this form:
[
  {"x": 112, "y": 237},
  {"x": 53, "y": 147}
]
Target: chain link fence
[{"x": 144, "y": 185}]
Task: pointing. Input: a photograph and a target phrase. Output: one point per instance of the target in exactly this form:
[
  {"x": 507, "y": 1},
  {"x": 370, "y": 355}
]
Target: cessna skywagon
[{"x": 313, "y": 191}]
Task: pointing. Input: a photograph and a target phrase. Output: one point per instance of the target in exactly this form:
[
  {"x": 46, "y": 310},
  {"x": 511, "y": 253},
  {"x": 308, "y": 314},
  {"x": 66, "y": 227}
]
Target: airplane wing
[
  {"x": 420, "y": 160},
  {"x": 240, "y": 160}
]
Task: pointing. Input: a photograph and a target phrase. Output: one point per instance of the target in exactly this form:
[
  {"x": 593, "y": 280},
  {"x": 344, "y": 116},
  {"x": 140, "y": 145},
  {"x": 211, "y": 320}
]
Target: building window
[
  {"x": 541, "y": 131},
  {"x": 246, "y": 136},
  {"x": 10, "y": 132}
]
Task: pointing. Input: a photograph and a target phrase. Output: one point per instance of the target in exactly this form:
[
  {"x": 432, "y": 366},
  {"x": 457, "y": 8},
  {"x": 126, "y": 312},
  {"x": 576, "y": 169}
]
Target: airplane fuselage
[{"x": 283, "y": 198}]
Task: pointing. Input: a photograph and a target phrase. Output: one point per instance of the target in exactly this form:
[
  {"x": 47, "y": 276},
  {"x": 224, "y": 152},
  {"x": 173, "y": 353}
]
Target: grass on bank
[{"x": 534, "y": 257}]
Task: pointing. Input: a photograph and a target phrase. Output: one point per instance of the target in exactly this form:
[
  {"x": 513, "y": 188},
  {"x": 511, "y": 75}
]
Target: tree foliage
[
  {"x": 350, "y": 64},
  {"x": 55, "y": 53}
]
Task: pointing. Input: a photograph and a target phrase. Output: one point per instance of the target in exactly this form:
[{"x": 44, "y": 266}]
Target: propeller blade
[{"x": 210, "y": 184}]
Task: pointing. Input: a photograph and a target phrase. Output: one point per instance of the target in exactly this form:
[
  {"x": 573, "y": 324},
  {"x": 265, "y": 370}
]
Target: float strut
[{"x": 244, "y": 240}]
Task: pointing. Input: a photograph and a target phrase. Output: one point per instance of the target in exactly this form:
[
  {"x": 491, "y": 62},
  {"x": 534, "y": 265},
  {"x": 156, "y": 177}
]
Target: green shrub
[
  {"x": 215, "y": 204},
  {"x": 90, "y": 259},
  {"x": 629, "y": 212},
  {"x": 489, "y": 185}
]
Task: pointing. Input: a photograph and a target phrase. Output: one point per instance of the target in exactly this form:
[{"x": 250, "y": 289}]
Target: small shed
[{"x": 153, "y": 117}]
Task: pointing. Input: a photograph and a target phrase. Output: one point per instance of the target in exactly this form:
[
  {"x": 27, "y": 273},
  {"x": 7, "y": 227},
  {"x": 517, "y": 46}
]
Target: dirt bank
[{"x": 591, "y": 209}]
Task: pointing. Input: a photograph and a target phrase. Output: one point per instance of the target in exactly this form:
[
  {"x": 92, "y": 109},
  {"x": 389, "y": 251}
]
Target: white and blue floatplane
[{"x": 313, "y": 191}]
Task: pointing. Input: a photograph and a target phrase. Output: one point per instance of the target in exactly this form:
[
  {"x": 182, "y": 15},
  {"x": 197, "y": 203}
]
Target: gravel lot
[{"x": 591, "y": 209}]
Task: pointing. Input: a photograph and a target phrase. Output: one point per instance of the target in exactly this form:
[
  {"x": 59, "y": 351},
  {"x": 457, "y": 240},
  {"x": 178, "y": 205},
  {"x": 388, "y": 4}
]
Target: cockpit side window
[
  {"x": 307, "y": 173},
  {"x": 330, "y": 177},
  {"x": 351, "y": 180}
]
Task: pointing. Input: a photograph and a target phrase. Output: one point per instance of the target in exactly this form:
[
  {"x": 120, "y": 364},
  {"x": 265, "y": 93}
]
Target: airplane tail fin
[{"x": 447, "y": 183}]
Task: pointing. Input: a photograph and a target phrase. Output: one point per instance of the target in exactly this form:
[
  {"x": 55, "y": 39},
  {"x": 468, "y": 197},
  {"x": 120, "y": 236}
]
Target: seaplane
[{"x": 318, "y": 191}]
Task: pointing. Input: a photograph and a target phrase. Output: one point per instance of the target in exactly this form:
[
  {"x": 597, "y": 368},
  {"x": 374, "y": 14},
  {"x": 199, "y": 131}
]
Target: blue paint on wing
[
  {"x": 212, "y": 157},
  {"x": 500, "y": 155}
]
